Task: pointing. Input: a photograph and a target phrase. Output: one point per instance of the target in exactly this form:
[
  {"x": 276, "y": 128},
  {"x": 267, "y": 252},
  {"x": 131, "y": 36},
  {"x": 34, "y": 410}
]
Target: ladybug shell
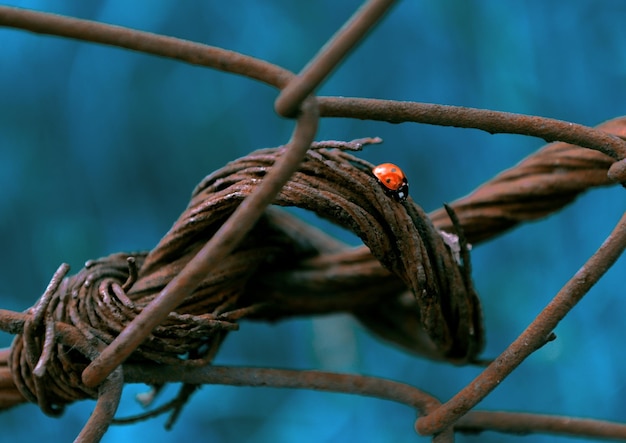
[{"x": 392, "y": 180}]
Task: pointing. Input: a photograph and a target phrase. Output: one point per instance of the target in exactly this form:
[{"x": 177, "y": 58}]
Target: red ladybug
[{"x": 393, "y": 181}]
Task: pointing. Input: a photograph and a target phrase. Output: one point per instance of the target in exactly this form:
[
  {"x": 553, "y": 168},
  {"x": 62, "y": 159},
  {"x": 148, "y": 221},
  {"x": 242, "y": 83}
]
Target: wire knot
[{"x": 411, "y": 285}]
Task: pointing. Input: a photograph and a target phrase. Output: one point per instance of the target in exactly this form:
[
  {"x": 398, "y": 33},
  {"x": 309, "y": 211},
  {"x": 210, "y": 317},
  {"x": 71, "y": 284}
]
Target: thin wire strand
[
  {"x": 110, "y": 394},
  {"x": 146, "y": 42},
  {"x": 532, "y": 338},
  {"x": 330, "y": 56},
  {"x": 439, "y": 420},
  {"x": 523, "y": 423},
  {"x": 494, "y": 122},
  {"x": 285, "y": 378},
  {"x": 219, "y": 246},
  {"x": 346, "y": 107}
]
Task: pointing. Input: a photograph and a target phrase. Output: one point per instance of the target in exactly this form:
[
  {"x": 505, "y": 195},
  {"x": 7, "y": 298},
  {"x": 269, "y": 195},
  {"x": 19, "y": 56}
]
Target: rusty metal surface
[{"x": 160, "y": 316}]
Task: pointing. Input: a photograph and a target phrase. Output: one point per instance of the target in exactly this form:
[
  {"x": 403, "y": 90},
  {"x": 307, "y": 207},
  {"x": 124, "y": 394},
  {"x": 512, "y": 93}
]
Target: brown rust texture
[
  {"x": 277, "y": 271},
  {"x": 287, "y": 268},
  {"x": 229, "y": 257},
  {"x": 539, "y": 185}
]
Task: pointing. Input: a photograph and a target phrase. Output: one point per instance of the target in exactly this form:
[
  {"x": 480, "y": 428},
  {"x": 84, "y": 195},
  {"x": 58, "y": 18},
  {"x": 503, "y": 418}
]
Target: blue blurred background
[{"x": 101, "y": 147}]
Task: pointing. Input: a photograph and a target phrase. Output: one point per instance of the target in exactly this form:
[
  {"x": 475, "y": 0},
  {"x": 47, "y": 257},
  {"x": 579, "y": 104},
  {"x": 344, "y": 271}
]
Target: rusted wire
[
  {"x": 232, "y": 232},
  {"x": 424, "y": 403},
  {"x": 521, "y": 423},
  {"x": 175, "y": 304},
  {"x": 89, "y": 301},
  {"x": 109, "y": 395},
  {"x": 271, "y": 301},
  {"x": 174, "y": 406},
  {"x": 37, "y": 351},
  {"x": 347, "y": 107},
  {"x": 539, "y": 185},
  {"x": 329, "y": 57},
  {"x": 286, "y": 378},
  {"x": 246, "y": 215},
  {"x": 315, "y": 182},
  {"x": 533, "y": 337},
  {"x": 226, "y": 239},
  {"x": 9, "y": 395},
  {"x": 330, "y": 182},
  {"x": 146, "y": 42},
  {"x": 493, "y": 122},
  {"x": 336, "y": 185}
]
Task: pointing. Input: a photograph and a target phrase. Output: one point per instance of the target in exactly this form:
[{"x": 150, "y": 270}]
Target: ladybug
[{"x": 393, "y": 181}]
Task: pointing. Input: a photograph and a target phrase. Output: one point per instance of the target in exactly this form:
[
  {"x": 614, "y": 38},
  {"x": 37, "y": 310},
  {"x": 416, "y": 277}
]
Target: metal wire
[{"x": 229, "y": 257}]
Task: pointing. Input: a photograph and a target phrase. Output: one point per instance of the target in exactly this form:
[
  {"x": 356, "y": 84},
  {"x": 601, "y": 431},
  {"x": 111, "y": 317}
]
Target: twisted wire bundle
[
  {"x": 405, "y": 284},
  {"x": 340, "y": 187},
  {"x": 541, "y": 184},
  {"x": 95, "y": 302}
]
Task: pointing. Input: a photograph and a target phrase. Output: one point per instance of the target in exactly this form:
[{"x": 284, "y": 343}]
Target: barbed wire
[{"x": 229, "y": 257}]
